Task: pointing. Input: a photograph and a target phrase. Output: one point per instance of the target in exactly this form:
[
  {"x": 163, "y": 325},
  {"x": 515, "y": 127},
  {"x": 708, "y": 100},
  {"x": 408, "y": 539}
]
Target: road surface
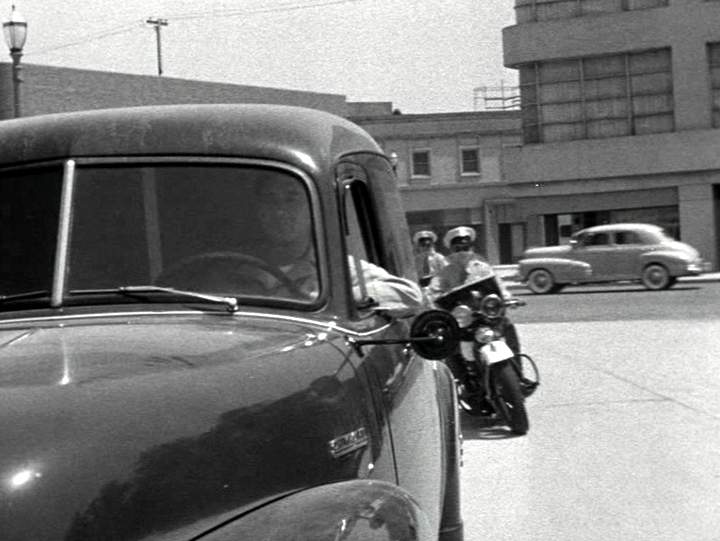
[{"x": 624, "y": 440}]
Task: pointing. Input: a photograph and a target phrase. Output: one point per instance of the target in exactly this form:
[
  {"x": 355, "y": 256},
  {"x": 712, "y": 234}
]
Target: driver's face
[{"x": 283, "y": 211}]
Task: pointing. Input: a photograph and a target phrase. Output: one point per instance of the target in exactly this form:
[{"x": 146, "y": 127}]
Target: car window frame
[
  {"x": 60, "y": 293},
  {"x": 352, "y": 181}
]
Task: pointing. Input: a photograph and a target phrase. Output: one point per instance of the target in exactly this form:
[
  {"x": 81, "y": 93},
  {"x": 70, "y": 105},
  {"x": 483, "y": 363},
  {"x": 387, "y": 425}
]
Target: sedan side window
[
  {"x": 626, "y": 237},
  {"x": 597, "y": 239}
]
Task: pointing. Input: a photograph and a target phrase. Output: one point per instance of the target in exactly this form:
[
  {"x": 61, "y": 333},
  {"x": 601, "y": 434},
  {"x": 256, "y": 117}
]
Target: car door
[
  {"x": 403, "y": 383},
  {"x": 596, "y": 250},
  {"x": 626, "y": 256}
]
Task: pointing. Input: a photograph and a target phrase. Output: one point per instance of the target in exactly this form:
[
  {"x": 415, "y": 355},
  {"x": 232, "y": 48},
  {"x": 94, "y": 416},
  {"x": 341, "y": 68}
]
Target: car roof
[
  {"x": 307, "y": 138},
  {"x": 605, "y": 228}
]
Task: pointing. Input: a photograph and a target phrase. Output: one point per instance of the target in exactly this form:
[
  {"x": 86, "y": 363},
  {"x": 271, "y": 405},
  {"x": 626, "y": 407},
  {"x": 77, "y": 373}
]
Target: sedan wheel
[
  {"x": 541, "y": 281},
  {"x": 656, "y": 277}
]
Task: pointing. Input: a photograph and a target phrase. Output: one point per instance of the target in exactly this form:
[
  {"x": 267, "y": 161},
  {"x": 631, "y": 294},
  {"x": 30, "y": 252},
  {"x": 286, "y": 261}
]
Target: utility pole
[{"x": 157, "y": 23}]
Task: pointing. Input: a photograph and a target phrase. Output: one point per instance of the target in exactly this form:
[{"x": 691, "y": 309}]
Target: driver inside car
[{"x": 284, "y": 221}]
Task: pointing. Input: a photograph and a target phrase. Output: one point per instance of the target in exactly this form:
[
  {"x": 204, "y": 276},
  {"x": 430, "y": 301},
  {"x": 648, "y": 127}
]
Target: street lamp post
[{"x": 15, "y": 31}]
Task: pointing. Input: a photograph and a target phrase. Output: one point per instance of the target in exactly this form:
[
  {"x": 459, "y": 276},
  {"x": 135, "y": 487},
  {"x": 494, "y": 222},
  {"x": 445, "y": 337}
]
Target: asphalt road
[
  {"x": 685, "y": 301},
  {"x": 624, "y": 440}
]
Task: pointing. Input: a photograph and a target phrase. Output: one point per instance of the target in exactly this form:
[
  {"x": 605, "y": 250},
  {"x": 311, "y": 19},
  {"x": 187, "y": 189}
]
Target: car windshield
[{"x": 225, "y": 229}]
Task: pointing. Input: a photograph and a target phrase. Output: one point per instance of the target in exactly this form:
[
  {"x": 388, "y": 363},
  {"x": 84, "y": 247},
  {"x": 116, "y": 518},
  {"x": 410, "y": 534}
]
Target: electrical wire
[
  {"x": 231, "y": 12},
  {"x": 87, "y": 39},
  {"x": 276, "y": 9}
]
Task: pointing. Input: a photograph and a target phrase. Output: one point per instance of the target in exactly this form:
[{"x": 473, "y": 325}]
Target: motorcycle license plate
[{"x": 496, "y": 351}]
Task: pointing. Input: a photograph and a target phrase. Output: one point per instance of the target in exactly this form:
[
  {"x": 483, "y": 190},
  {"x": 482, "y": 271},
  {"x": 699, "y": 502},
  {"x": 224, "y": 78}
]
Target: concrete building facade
[
  {"x": 448, "y": 170},
  {"x": 620, "y": 104}
]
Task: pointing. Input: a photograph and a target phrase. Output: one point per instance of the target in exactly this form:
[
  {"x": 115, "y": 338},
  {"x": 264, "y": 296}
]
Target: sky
[{"x": 424, "y": 56}]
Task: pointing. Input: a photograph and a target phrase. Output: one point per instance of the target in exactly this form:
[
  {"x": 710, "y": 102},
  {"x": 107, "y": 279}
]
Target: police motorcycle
[{"x": 493, "y": 377}]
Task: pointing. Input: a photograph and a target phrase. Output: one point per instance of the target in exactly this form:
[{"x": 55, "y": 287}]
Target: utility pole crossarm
[{"x": 158, "y": 23}]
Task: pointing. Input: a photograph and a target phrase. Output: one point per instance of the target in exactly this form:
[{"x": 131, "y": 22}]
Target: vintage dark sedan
[
  {"x": 166, "y": 375},
  {"x": 611, "y": 253}
]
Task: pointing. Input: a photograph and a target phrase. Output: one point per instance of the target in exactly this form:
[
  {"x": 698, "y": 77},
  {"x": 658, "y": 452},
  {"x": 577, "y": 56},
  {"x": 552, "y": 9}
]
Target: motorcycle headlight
[
  {"x": 463, "y": 315},
  {"x": 492, "y": 306},
  {"x": 483, "y": 335}
]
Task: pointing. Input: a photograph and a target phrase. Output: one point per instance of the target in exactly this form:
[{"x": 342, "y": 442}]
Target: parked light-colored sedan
[{"x": 609, "y": 253}]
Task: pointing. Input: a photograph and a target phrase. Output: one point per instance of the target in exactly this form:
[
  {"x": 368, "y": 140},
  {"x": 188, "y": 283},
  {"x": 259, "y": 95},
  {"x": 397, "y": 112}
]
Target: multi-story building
[
  {"x": 620, "y": 103},
  {"x": 448, "y": 169}
]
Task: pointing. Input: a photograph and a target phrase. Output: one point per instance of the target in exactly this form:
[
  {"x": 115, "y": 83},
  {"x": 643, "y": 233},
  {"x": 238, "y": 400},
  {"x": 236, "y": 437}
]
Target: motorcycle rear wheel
[{"x": 511, "y": 402}]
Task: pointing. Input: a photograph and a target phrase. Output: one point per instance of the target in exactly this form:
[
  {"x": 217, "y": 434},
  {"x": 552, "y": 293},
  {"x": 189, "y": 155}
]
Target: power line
[
  {"x": 230, "y": 12},
  {"x": 238, "y": 12}
]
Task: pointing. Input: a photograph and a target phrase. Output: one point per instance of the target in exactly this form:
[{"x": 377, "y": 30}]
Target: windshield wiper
[
  {"x": 25, "y": 295},
  {"x": 133, "y": 291}
]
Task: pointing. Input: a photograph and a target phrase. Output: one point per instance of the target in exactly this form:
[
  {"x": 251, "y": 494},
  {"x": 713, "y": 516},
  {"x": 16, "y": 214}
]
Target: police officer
[
  {"x": 466, "y": 266},
  {"x": 427, "y": 261}
]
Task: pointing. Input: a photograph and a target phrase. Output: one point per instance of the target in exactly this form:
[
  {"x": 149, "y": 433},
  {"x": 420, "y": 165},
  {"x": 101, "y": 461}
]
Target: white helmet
[
  {"x": 424, "y": 235},
  {"x": 457, "y": 232}
]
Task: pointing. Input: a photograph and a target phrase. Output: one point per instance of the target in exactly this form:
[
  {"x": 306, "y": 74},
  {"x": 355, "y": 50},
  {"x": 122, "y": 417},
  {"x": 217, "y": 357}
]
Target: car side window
[
  {"x": 626, "y": 237},
  {"x": 360, "y": 235},
  {"x": 597, "y": 239}
]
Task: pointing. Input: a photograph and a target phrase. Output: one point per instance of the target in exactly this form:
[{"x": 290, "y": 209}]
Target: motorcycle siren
[
  {"x": 423, "y": 235},
  {"x": 458, "y": 233}
]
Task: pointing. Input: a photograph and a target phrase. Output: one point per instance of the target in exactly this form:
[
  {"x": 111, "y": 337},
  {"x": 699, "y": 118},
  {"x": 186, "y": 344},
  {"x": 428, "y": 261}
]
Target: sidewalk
[{"x": 509, "y": 272}]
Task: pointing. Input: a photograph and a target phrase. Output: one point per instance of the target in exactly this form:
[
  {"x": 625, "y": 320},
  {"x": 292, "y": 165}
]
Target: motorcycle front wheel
[{"x": 511, "y": 401}]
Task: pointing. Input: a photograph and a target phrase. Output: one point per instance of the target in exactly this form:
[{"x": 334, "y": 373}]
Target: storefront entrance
[{"x": 559, "y": 227}]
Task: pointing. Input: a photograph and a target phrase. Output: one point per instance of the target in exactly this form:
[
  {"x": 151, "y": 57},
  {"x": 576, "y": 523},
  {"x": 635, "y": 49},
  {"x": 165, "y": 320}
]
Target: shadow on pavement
[{"x": 482, "y": 428}]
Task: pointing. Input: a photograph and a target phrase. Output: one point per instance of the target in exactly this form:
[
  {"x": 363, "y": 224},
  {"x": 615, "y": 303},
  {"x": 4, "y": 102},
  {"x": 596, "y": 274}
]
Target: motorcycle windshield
[{"x": 462, "y": 294}]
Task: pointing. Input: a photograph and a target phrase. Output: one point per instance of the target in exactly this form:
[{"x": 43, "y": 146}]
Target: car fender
[
  {"x": 564, "y": 270},
  {"x": 451, "y": 523},
  {"x": 349, "y": 511},
  {"x": 675, "y": 264}
]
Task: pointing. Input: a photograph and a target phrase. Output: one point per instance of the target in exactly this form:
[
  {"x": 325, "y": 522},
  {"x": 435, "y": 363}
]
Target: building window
[
  {"x": 714, "y": 60},
  {"x": 546, "y": 10},
  {"x": 596, "y": 97},
  {"x": 470, "y": 161},
  {"x": 421, "y": 163}
]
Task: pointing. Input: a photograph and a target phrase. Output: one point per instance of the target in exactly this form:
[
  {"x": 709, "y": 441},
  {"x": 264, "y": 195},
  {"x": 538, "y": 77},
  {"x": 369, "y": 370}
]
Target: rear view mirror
[{"x": 434, "y": 334}]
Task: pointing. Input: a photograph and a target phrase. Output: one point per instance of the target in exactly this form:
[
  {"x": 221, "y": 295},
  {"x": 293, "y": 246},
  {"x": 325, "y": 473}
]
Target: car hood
[
  {"x": 133, "y": 429},
  {"x": 547, "y": 251}
]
